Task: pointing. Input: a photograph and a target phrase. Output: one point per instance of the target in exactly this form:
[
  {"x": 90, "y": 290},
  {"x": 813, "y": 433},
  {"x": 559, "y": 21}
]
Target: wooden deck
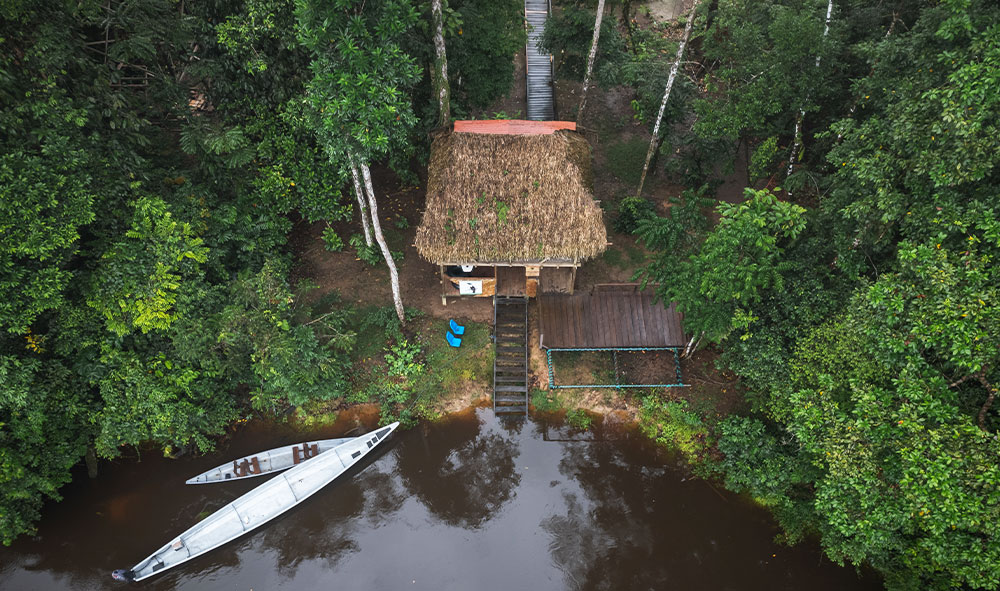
[{"x": 608, "y": 317}]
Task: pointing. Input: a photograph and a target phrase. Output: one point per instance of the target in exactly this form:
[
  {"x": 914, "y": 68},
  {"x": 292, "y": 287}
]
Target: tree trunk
[
  {"x": 986, "y": 408},
  {"x": 666, "y": 96},
  {"x": 393, "y": 274},
  {"x": 439, "y": 75},
  {"x": 797, "y": 140},
  {"x": 627, "y": 18},
  {"x": 91, "y": 460},
  {"x": 362, "y": 208},
  {"x": 590, "y": 61}
]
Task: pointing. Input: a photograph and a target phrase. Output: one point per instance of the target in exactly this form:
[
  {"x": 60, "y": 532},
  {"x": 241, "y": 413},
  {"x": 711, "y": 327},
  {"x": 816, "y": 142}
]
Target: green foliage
[
  {"x": 286, "y": 362},
  {"x": 865, "y": 329},
  {"x": 370, "y": 254},
  {"x": 936, "y": 306},
  {"x": 631, "y": 211},
  {"x": 767, "y": 66},
  {"x": 45, "y": 194},
  {"x": 647, "y": 71},
  {"x": 481, "y": 52},
  {"x": 673, "y": 424},
  {"x": 136, "y": 285},
  {"x": 168, "y": 315},
  {"x": 401, "y": 359},
  {"x": 360, "y": 75},
  {"x": 40, "y": 439},
  {"x": 769, "y": 469},
  {"x": 156, "y": 400},
  {"x": 546, "y": 400},
  {"x": 735, "y": 265},
  {"x": 568, "y": 34},
  {"x": 579, "y": 419},
  {"x": 331, "y": 240},
  {"x": 763, "y": 157}
]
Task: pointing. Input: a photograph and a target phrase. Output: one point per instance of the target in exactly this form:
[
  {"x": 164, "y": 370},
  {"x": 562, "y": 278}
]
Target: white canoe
[
  {"x": 267, "y": 462},
  {"x": 260, "y": 505}
]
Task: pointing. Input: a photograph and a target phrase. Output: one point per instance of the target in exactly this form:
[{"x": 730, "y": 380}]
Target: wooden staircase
[{"x": 510, "y": 364}]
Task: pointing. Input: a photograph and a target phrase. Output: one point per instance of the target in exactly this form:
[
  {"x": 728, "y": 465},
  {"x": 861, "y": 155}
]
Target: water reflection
[{"x": 463, "y": 474}]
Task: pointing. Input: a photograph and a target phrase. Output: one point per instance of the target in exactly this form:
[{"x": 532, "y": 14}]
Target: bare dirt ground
[{"x": 360, "y": 283}]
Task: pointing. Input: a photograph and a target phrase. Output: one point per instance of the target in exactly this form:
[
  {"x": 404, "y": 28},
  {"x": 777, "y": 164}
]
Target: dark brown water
[{"x": 470, "y": 503}]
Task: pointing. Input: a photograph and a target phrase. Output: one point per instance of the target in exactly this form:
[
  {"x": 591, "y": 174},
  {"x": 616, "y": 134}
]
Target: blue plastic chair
[
  {"x": 456, "y": 328},
  {"x": 453, "y": 340}
]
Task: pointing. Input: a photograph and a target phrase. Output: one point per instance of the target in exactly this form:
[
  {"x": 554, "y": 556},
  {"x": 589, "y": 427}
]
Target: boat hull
[
  {"x": 267, "y": 462},
  {"x": 261, "y": 505}
]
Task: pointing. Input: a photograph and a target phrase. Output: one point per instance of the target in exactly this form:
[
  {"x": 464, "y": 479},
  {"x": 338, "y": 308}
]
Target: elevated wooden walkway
[
  {"x": 538, "y": 63},
  {"x": 608, "y": 317}
]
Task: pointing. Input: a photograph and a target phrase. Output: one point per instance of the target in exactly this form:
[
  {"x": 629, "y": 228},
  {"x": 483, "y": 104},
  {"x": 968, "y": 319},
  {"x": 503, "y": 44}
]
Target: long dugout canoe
[
  {"x": 267, "y": 462},
  {"x": 258, "y": 506}
]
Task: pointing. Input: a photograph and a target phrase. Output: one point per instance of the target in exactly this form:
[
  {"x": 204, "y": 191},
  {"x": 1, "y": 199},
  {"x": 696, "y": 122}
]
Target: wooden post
[{"x": 441, "y": 280}]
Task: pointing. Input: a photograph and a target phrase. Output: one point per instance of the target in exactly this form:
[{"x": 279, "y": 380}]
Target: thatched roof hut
[{"x": 522, "y": 198}]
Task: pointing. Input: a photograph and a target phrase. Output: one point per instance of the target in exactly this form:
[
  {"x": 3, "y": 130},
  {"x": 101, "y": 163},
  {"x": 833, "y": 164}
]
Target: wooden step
[
  {"x": 510, "y": 372},
  {"x": 515, "y": 398},
  {"x": 510, "y": 345},
  {"x": 509, "y": 379},
  {"x": 517, "y": 333},
  {"x": 509, "y": 364},
  {"x": 510, "y": 389}
]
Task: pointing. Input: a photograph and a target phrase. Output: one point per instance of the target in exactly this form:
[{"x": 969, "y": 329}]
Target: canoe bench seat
[
  {"x": 245, "y": 467},
  {"x": 307, "y": 451}
]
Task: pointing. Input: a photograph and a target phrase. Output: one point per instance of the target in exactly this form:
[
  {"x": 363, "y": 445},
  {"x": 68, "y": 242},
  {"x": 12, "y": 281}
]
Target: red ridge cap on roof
[{"x": 513, "y": 126}]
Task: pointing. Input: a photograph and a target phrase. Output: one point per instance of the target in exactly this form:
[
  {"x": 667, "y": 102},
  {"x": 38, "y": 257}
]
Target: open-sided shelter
[{"x": 510, "y": 208}]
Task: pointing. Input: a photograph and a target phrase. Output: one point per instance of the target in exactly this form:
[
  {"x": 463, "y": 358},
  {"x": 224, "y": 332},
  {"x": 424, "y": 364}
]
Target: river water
[{"x": 471, "y": 502}]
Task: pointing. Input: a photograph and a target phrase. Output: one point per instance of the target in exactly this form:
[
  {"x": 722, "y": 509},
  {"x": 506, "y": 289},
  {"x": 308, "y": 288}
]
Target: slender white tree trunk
[
  {"x": 666, "y": 95},
  {"x": 362, "y": 208},
  {"x": 442, "y": 90},
  {"x": 393, "y": 274},
  {"x": 797, "y": 140},
  {"x": 590, "y": 61},
  {"x": 692, "y": 345}
]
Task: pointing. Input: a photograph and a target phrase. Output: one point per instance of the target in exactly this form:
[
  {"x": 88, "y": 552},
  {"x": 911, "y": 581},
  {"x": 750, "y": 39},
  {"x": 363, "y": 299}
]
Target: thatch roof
[{"x": 510, "y": 199}]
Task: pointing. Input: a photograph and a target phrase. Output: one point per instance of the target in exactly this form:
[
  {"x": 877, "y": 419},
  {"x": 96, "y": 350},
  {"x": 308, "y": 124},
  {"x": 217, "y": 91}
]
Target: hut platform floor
[{"x": 608, "y": 317}]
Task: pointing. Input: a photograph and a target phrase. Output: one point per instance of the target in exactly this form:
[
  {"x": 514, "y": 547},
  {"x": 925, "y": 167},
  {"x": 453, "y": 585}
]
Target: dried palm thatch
[{"x": 510, "y": 199}]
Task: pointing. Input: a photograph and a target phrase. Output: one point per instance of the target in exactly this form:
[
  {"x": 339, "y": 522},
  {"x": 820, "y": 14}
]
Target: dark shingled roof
[{"x": 510, "y": 199}]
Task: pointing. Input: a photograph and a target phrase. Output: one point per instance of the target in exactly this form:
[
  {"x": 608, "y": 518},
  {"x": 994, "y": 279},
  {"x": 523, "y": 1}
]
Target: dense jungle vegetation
[{"x": 156, "y": 152}]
